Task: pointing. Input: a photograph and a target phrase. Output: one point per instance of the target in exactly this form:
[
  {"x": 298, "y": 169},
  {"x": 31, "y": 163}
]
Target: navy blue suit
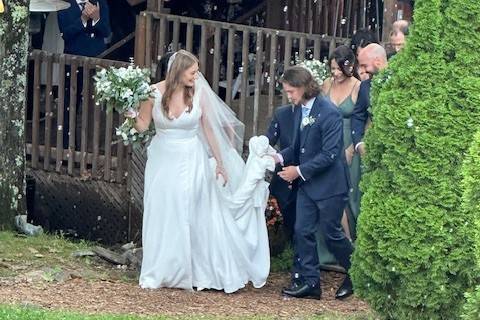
[
  {"x": 360, "y": 112},
  {"x": 281, "y": 132},
  {"x": 80, "y": 40},
  {"x": 318, "y": 151}
]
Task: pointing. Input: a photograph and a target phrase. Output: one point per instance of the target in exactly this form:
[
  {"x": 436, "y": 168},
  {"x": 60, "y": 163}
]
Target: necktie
[
  {"x": 82, "y": 5},
  {"x": 305, "y": 112}
]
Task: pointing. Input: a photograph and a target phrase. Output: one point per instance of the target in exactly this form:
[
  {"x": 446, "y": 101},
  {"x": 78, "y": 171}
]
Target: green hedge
[
  {"x": 471, "y": 206},
  {"x": 414, "y": 254},
  {"x": 471, "y": 309}
]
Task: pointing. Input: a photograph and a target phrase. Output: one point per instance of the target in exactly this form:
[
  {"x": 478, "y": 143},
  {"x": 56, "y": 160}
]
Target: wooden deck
[{"x": 89, "y": 176}]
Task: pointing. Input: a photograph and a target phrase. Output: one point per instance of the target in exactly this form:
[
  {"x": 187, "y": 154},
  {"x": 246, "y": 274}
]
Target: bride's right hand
[
  {"x": 220, "y": 171},
  {"x": 131, "y": 114}
]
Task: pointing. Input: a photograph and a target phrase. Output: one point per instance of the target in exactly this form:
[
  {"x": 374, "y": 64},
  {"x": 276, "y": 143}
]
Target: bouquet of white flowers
[
  {"x": 122, "y": 89},
  {"x": 317, "y": 68}
]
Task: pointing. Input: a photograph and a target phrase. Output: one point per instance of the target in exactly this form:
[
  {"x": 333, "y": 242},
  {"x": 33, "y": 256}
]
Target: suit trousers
[{"x": 325, "y": 214}]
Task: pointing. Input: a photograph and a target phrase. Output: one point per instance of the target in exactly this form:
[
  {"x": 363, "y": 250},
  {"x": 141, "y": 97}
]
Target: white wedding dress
[{"x": 197, "y": 233}]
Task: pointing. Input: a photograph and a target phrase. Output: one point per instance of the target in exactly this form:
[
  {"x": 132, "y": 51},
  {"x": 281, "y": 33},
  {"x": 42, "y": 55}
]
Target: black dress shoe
[
  {"x": 293, "y": 285},
  {"x": 303, "y": 291},
  {"x": 345, "y": 290}
]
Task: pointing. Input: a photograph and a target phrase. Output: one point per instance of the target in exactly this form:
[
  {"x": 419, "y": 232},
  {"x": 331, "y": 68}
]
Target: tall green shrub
[
  {"x": 414, "y": 255},
  {"x": 471, "y": 206},
  {"x": 471, "y": 309}
]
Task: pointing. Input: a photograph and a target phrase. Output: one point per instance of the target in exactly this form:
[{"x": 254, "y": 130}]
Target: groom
[{"x": 322, "y": 174}]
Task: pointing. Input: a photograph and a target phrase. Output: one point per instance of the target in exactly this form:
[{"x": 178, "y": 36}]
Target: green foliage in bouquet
[
  {"x": 123, "y": 89},
  {"x": 414, "y": 255}
]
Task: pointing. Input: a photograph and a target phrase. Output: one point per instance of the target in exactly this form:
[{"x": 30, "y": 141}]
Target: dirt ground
[{"x": 126, "y": 297}]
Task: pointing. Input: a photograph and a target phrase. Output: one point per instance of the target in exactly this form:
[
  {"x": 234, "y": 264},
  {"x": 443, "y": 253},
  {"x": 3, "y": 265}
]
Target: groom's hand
[{"x": 289, "y": 173}]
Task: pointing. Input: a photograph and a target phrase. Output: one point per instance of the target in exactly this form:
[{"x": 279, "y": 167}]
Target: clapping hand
[{"x": 92, "y": 11}]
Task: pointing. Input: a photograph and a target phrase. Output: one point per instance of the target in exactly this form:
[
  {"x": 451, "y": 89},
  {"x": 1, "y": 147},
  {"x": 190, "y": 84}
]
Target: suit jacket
[
  {"x": 281, "y": 132},
  {"x": 318, "y": 151},
  {"x": 360, "y": 112},
  {"x": 80, "y": 40}
]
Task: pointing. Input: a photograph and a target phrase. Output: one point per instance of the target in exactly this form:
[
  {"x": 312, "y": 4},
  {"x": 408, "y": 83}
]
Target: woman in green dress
[{"x": 342, "y": 89}]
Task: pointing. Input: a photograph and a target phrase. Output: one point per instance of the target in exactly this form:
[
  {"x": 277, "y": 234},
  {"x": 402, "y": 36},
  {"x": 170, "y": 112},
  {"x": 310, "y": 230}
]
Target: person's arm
[
  {"x": 101, "y": 26},
  {"x": 273, "y": 132},
  {"x": 287, "y": 155},
  {"x": 144, "y": 116},
  {"x": 211, "y": 140},
  {"x": 332, "y": 129},
  {"x": 360, "y": 113}
]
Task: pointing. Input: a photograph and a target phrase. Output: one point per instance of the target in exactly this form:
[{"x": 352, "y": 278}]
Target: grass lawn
[
  {"x": 31, "y": 288},
  {"x": 30, "y": 313},
  {"x": 20, "y": 254}
]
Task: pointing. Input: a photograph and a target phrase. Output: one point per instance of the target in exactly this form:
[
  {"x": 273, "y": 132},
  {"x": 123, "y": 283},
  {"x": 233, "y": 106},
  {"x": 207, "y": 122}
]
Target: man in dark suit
[
  {"x": 371, "y": 60},
  {"x": 281, "y": 132},
  {"x": 84, "y": 27},
  {"x": 319, "y": 165}
]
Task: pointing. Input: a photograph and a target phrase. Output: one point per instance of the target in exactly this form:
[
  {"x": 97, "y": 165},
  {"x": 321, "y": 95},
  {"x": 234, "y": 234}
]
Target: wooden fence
[
  {"x": 234, "y": 57},
  {"x": 90, "y": 151}
]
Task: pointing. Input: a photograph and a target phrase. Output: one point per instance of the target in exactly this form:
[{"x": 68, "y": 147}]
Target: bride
[{"x": 203, "y": 221}]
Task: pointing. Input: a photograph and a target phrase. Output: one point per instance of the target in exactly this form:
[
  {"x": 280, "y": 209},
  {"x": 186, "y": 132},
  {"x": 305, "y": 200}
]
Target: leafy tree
[{"x": 414, "y": 255}]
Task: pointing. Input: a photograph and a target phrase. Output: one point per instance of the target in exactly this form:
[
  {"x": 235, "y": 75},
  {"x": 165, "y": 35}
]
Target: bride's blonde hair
[{"x": 182, "y": 61}]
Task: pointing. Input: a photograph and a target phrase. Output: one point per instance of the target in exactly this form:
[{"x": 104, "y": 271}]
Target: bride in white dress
[{"x": 203, "y": 223}]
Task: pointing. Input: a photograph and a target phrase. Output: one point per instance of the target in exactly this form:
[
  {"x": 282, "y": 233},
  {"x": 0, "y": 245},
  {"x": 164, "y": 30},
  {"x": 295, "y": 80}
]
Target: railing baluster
[
  {"x": 216, "y": 59},
  {"x": 48, "y": 112},
  {"x": 230, "y": 66},
  {"x": 286, "y": 60},
  {"x": 72, "y": 120},
  {"x": 203, "y": 49},
  {"x": 36, "y": 108},
  {"x": 85, "y": 112},
  {"x": 60, "y": 113},
  {"x": 272, "y": 74},
  {"x": 258, "y": 81},
  {"x": 245, "y": 64}
]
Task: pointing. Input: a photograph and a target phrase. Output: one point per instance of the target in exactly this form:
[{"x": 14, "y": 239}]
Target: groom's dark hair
[{"x": 299, "y": 77}]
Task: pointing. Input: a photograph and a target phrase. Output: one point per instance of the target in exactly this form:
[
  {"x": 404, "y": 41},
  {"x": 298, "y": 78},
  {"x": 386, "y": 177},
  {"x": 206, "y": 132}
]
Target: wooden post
[
  {"x": 275, "y": 15},
  {"x": 389, "y": 13},
  {"x": 140, "y": 39}
]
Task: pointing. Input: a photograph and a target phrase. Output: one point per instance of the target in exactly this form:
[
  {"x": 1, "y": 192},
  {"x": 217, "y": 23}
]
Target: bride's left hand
[{"x": 220, "y": 171}]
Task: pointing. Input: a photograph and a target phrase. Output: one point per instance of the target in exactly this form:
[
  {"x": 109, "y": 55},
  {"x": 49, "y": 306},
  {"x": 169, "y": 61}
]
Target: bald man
[
  {"x": 402, "y": 26},
  {"x": 371, "y": 60}
]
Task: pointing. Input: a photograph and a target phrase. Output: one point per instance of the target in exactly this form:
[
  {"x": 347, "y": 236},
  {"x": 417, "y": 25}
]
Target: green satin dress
[{"x": 353, "y": 207}]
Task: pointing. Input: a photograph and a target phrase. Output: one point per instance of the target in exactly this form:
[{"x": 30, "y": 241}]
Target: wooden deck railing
[
  {"x": 90, "y": 151},
  {"x": 236, "y": 57}
]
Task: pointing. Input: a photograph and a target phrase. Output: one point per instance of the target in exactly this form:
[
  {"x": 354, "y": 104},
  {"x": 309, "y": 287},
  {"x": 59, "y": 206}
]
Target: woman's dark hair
[
  {"x": 345, "y": 58},
  {"x": 362, "y": 38},
  {"x": 299, "y": 77},
  {"x": 162, "y": 67}
]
